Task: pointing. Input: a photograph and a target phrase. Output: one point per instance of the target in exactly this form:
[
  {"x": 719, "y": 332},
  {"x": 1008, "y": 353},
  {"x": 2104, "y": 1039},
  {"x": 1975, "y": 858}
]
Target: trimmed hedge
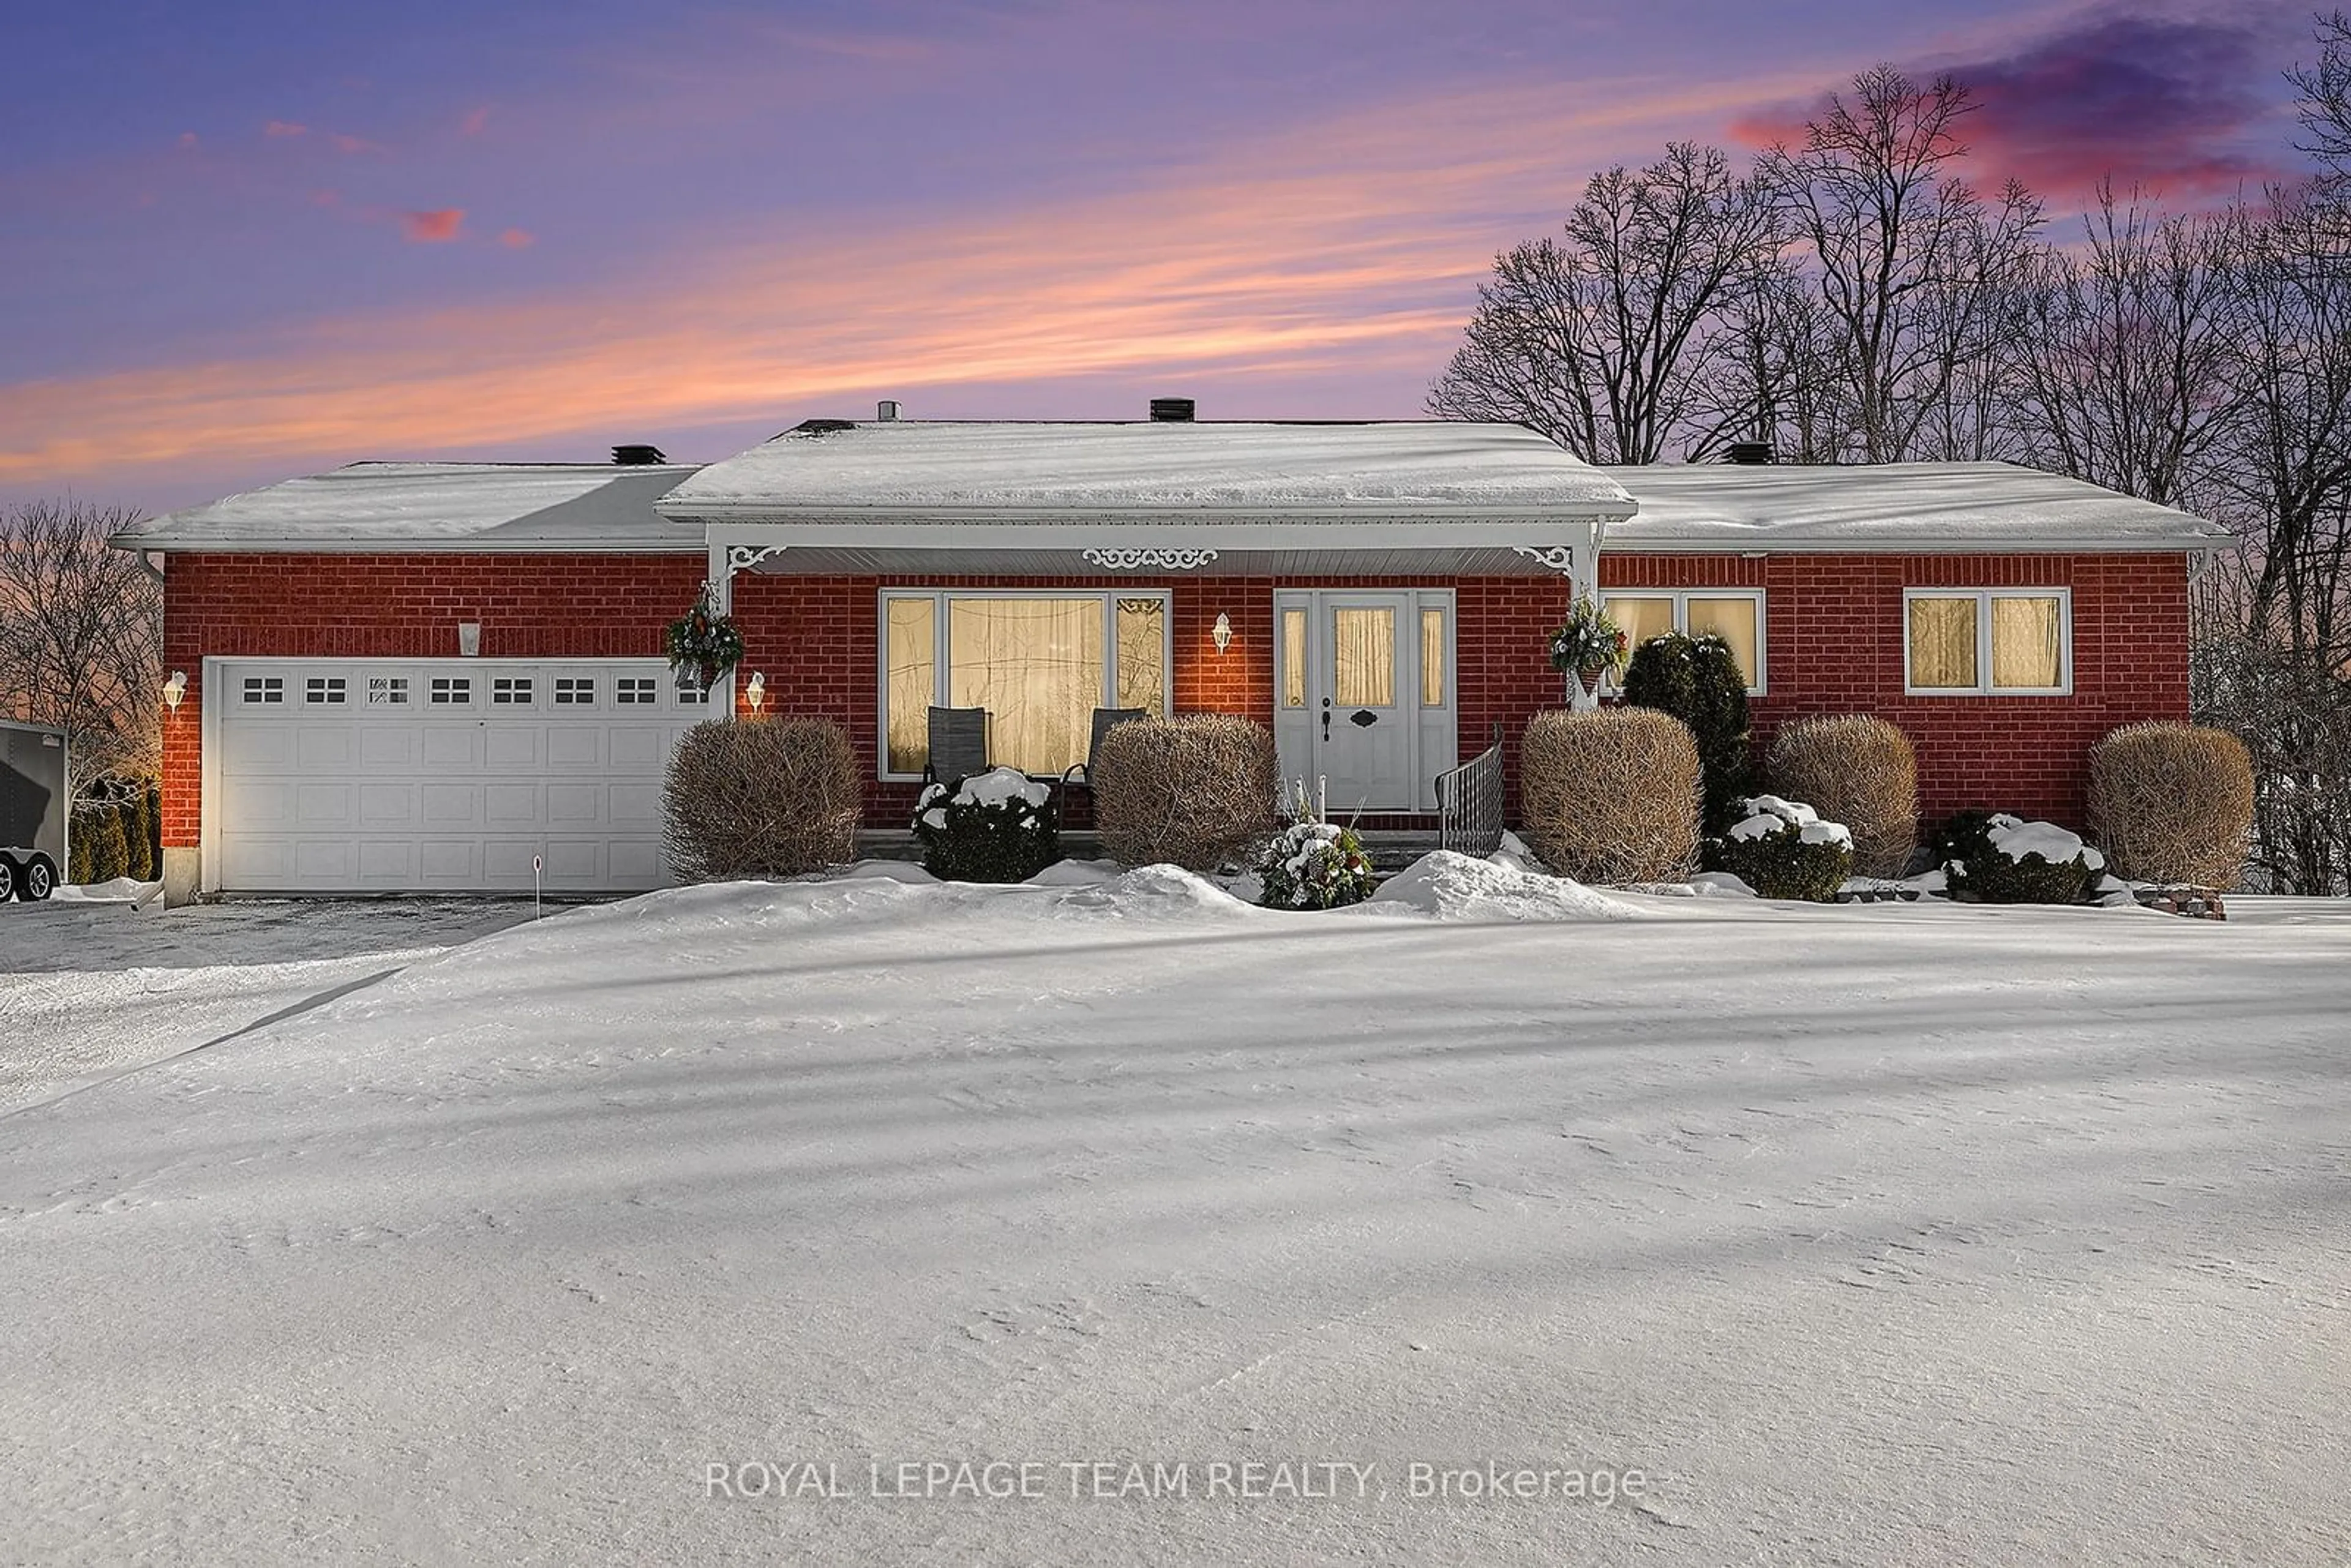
[
  {"x": 1196, "y": 791},
  {"x": 1697, "y": 681},
  {"x": 1611, "y": 795},
  {"x": 1858, "y": 770},
  {"x": 760, "y": 798},
  {"x": 1976, "y": 861},
  {"x": 2173, "y": 802}
]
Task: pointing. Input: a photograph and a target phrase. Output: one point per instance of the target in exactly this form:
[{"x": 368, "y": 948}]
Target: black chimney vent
[
  {"x": 1752, "y": 453},
  {"x": 637, "y": 455},
  {"x": 1171, "y": 411}
]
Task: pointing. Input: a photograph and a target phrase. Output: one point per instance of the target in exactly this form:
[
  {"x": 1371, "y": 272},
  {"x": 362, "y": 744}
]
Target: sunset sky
[{"x": 244, "y": 241}]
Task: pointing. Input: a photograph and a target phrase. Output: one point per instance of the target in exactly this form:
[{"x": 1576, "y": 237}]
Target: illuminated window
[
  {"x": 1988, "y": 642},
  {"x": 1039, "y": 662},
  {"x": 1735, "y": 615}
]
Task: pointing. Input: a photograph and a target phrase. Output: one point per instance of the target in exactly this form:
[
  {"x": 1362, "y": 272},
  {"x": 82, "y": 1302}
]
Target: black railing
[{"x": 1469, "y": 803}]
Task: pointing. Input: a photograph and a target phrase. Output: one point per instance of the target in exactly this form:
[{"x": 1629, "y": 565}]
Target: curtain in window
[
  {"x": 1036, "y": 666},
  {"x": 1142, "y": 655},
  {"x": 1943, "y": 643},
  {"x": 2025, "y": 634},
  {"x": 1294, "y": 658},
  {"x": 1639, "y": 618},
  {"x": 1733, "y": 621},
  {"x": 1432, "y": 658},
  {"x": 1364, "y": 654},
  {"x": 910, "y": 651}
]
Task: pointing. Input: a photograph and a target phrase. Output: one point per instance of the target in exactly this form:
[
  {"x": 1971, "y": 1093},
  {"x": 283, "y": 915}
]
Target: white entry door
[
  {"x": 439, "y": 775},
  {"x": 1363, "y": 695}
]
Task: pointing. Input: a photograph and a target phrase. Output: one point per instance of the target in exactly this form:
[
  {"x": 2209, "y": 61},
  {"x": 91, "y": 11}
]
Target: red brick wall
[
  {"x": 1834, "y": 635},
  {"x": 1834, "y": 630}
]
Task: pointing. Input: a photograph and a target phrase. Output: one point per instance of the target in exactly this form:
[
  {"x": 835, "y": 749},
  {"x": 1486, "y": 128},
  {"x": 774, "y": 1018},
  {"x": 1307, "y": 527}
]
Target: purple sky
[{"x": 245, "y": 242}]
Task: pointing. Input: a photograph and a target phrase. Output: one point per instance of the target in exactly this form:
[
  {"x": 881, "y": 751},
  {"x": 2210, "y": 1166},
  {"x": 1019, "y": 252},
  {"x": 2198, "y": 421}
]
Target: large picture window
[
  {"x": 1987, "y": 641},
  {"x": 1735, "y": 615},
  {"x": 1038, "y": 661}
]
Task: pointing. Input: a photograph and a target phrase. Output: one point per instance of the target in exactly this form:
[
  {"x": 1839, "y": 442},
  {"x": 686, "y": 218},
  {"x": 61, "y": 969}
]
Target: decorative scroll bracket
[
  {"x": 743, "y": 558},
  {"x": 1126, "y": 558},
  {"x": 1560, "y": 559}
]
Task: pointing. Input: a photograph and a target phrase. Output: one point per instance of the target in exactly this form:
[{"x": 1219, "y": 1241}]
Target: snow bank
[
  {"x": 119, "y": 890},
  {"x": 1768, "y": 814},
  {"x": 1450, "y": 886},
  {"x": 2016, "y": 839}
]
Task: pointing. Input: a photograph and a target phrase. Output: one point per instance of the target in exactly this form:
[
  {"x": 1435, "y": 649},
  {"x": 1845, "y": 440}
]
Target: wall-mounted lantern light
[
  {"x": 469, "y": 639},
  {"x": 755, "y": 693},
  {"x": 1223, "y": 634},
  {"x": 175, "y": 689}
]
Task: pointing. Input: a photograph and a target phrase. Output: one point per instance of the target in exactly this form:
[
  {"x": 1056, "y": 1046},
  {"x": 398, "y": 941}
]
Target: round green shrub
[
  {"x": 1698, "y": 680},
  {"x": 1995, "y": 858},
  {"x": 1781, "y": 848},
  {"x": 997, "y": 826}
]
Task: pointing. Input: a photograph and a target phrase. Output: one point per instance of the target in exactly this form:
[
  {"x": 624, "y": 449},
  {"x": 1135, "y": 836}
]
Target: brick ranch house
[{"x": 421, "y": 676}]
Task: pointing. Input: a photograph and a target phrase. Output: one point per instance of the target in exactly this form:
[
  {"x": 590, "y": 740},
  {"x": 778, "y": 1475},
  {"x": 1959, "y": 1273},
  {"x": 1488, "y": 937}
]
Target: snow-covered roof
[
  {"x": 437, "y": 506},
  {"x": 937, "y": 470},
  {"x": 1926, "y": 507}
]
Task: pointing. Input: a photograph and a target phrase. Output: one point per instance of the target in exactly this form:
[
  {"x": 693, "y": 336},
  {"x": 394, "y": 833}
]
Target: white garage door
[{"x": 440, "y": 774}]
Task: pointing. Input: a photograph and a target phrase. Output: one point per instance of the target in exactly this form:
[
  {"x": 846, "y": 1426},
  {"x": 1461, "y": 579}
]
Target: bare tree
[
  {"x": 2124, "y": 356},
  {"x": 1912, "y": 265},
  {"x": 81, "y": 638},
  {"x": 1603, "y": 338},
  {"x": 2325, "y": 109}
]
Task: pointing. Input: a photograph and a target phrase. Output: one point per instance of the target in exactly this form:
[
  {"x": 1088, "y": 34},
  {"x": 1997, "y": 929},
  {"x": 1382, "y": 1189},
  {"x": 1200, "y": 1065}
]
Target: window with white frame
[
  {"x": 1039, "y": 661},
  {"x": 1733, "y": 615},
  {"x": 1987, "y": 641}
]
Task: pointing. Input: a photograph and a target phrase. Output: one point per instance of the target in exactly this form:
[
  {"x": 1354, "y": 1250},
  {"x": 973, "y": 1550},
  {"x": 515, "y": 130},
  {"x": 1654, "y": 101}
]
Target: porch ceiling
[{"x": 1491, "y": 560}]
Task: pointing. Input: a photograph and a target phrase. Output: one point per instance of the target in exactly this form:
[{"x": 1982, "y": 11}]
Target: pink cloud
[
  {"x": 285, "y": 127},
  {"x": 437, "y": 226},
  {"x": 475, "y": 122},
  {"x": 188, "y": 140},
  {"x": 327, "y": 197},
  {"x": 518, "y": 239},
  {"x": 353, "y": 143}
]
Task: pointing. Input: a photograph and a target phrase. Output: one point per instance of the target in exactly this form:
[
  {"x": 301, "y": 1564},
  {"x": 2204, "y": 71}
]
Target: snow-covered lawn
[{"x": 1911, "y": 1233}]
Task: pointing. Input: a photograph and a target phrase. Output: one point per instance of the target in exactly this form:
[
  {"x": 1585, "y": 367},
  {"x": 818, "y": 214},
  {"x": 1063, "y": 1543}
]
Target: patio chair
[
  {"x": 958, "y": 744},
  {"x": 1080, "y": 775}
]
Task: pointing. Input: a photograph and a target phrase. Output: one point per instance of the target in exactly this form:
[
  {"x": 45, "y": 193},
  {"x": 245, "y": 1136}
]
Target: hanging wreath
[{"x": 704, "y": 641}]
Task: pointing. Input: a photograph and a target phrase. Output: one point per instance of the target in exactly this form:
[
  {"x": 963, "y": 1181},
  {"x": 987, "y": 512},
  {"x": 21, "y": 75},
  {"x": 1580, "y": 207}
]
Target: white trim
[
  {"x": 1108, "y": 596},
  {"x": 1760, "y": 676},
  {"x": 1983, "y": 598}
]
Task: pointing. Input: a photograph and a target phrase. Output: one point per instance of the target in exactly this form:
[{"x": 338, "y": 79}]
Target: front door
[{"x": 1348, "y": 696}]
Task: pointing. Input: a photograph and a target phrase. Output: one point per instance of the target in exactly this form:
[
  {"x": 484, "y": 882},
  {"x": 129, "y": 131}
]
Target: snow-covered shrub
[
  {"x": 1859, "y": 770},
  {"x": 2173, "y": 802},
  {"x": 1196, "y": 791},
  {"x": 2000, "y": 859},
  {"x": 1314, "y": 864},
  {"x": 1698, "y": 680},
  {"x": 1782, "y": 848},
  {"x": 1612, "y": 796},
  {"x": 763, "y": 797},
  {"x": 997, "y": 826}
]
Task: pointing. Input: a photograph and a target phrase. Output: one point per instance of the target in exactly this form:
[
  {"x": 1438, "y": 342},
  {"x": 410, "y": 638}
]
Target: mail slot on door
[{"x": 1362, "y": 718}]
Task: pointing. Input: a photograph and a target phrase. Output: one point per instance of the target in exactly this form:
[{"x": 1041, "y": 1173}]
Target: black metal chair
[
  {"x": 958, "y": 744},
  {"x": 1080, "y": 775}
]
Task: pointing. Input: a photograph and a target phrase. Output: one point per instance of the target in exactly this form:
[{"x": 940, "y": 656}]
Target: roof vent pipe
[
  {"x": 886, "y": 410},
  {"x": 1171, "y": 411},
  {"x": 1752, "y": 453}
]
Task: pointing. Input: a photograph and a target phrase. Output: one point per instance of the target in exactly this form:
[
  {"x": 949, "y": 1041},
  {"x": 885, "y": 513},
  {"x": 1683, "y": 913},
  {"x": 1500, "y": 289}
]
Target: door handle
[{"x": 1326, "y": 718}]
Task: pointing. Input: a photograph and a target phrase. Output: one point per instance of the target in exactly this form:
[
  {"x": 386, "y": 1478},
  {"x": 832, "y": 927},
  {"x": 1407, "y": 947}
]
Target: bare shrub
[
  {"x": 773, "y": 798},
  {"x": 1196, "y": 791},
  {"x": 1859, "y": 770},
  {"x": 1613, "y": 796},
  {"x": 2172, "y": 802}
]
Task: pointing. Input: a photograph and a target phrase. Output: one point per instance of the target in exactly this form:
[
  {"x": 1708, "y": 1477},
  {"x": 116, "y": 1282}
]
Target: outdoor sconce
[
  {"x": 469, "y": 639},
  {"x": 175, "y": 689},
  {"x": 756, "y": 691},
  {"x": 1223, "y": 634}
]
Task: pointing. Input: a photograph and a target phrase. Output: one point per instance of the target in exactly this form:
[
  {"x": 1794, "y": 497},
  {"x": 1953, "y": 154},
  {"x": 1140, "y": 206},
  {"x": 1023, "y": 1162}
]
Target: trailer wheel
[
  {"x": 9, "y": 878},
  {"x": 39, "y": 879}
]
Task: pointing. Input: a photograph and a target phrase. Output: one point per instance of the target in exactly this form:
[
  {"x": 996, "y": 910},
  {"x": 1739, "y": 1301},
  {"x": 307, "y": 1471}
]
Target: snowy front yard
[{"x": 1905, "y": 1233}]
